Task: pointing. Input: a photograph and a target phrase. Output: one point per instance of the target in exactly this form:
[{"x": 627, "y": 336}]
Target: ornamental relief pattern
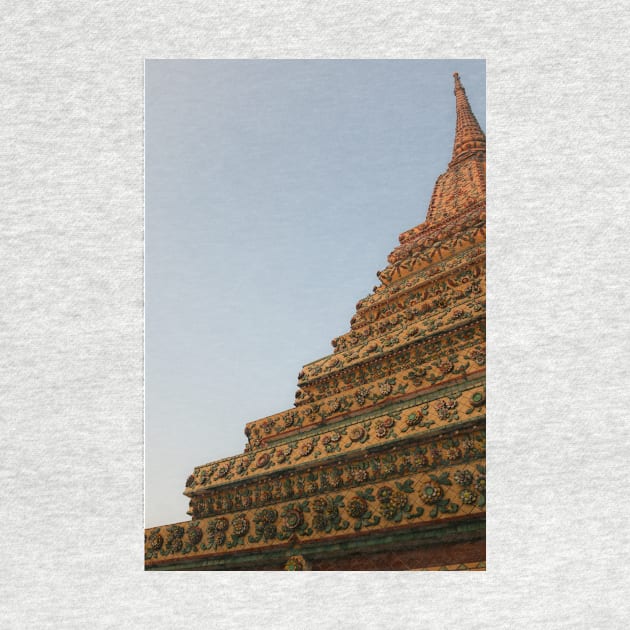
[
  {"x": 396, "y": 503},
  {"x": 381, "y": 357},
  {"x": 462, "y": 185},
  {"x": 434, "y": 225},
  {"x": 439, "y": 360},
  {"x": 438, "y": 251},
  {"x": 411, "y": 322},
  {"x": 399, "y": 314},
  {"x": 457, "y": 407},
  {"x": 366, "y": 385},
  {"x": 397, "y": 308},
  {"x": 445, "y": 237},
  {"x": 383, "y": 293},
  {"x": 399, "y": 330},
  {"x": 473, "y": 217},
  {"x": 447, "y": 369},
  {"x": 429, "y": 457},
  {"x": 413, "y": 292}
]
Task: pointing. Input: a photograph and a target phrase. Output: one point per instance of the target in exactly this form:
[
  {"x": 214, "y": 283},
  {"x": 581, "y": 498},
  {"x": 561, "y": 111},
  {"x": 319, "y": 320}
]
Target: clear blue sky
[{"x": 274, "y": 192}]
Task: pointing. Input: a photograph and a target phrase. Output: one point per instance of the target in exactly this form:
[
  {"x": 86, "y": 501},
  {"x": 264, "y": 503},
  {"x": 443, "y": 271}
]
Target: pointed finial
[{"x": 469, "y": 138}]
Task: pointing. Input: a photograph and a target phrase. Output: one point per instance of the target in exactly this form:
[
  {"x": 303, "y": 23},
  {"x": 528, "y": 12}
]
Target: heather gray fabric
[{"x": 71, "y": 337}]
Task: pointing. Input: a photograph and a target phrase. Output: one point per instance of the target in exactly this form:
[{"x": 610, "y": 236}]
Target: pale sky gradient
[{"x": 274, "y": 192}]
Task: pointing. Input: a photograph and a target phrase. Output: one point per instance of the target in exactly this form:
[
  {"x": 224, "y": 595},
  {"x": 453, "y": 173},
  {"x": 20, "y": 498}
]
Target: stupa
[{"x": 380, "y": 464}]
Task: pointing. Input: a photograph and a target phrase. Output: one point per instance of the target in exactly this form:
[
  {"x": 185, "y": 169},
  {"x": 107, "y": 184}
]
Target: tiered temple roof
[{"x": 380, "y": 464}]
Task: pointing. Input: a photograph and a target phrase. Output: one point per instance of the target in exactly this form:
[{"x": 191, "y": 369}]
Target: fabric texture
[{"x": 72, "y": 314}]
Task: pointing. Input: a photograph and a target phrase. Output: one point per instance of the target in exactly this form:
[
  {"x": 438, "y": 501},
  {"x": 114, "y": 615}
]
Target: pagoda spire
[{"x": 469, "y": 138}]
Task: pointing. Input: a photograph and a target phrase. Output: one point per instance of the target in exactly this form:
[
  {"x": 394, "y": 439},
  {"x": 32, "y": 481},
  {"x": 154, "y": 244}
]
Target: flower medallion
[
  {"x": 306, "y": 448},
  {"x": 296, "y": 563},
  {"x": 240, "y": 525},
  {"x": 156, "y": 540},
  {"x": 463, "y": 477},
  {"x": 431, "y": 493},
  {"x": 468, "y": 496},
  {"x": 194, "y": 534},
  {"x": 292, "y": 518},
  {"x": 262, "y": 460},
  {"x": 357, "y": 507},
  {"x": 356, "y": 433}
]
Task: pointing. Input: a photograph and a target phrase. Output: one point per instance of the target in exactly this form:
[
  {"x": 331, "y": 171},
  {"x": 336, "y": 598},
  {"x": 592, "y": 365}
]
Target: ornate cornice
[
  {"x": 431, "y": 414},
  {"x": 395, "y": 505}
]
